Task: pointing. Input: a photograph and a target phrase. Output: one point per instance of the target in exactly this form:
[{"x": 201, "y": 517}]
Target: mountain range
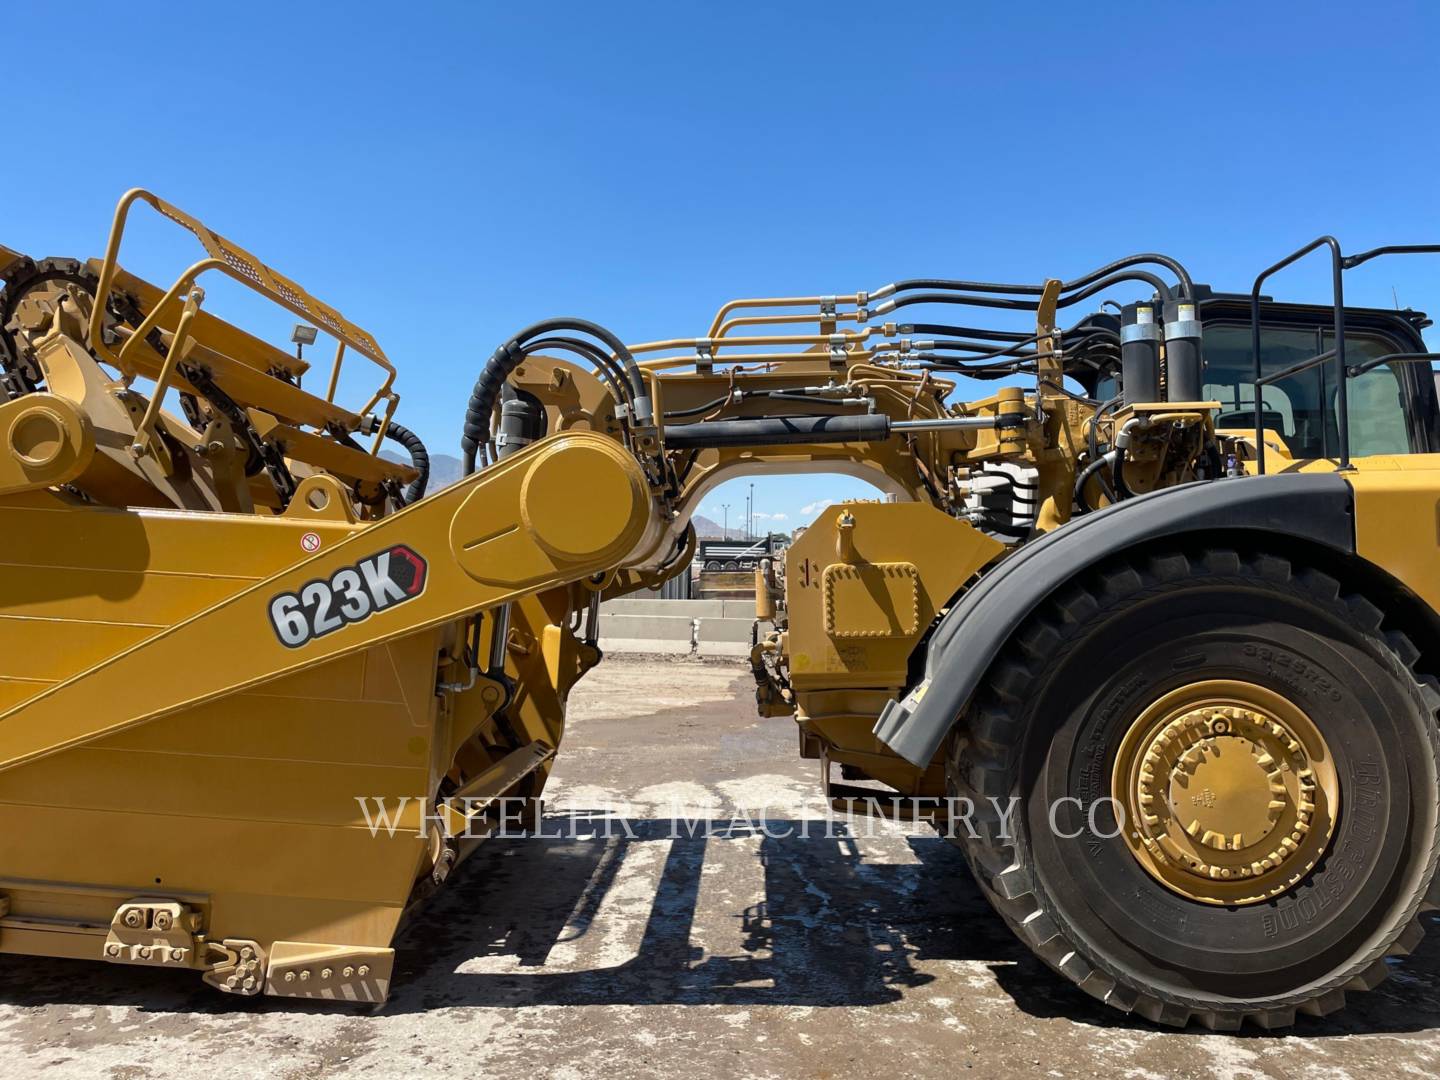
[
  {"x": 706, "y": 529},
  {"x": 444, "y": 468}
]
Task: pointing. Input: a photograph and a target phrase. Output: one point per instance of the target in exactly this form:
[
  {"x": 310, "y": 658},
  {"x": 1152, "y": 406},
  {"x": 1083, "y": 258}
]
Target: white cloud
[{"x": 816, "y": 506}]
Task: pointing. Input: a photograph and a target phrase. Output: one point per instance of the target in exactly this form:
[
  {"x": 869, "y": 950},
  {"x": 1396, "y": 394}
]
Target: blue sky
[{"x": 445, "y": 173}]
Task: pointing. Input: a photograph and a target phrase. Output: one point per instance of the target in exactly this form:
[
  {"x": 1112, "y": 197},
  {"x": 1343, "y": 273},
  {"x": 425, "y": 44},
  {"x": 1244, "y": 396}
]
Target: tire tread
[{"x": 994, "y": 744}]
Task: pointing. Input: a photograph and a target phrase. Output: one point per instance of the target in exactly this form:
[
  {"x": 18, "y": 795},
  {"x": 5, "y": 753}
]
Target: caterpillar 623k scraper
[{"x": 1174, "y": 586}]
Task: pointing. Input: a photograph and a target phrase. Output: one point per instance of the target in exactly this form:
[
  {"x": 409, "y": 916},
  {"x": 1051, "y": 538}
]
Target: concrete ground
[{"x": 735, "y": 955}]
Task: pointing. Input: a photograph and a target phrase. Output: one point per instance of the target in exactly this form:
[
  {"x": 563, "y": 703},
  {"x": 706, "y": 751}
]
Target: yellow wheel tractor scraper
[{"x": 1149, "y": 631}]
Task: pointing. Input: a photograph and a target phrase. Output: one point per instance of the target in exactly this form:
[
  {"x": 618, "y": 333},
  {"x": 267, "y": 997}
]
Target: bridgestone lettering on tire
[
  {"x": 350, "y": 595},
  {"x": 1045, "y": 726}
]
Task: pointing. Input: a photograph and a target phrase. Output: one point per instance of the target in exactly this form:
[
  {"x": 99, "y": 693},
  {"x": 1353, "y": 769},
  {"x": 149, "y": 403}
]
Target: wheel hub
[{"x": 1228, "y": 790}]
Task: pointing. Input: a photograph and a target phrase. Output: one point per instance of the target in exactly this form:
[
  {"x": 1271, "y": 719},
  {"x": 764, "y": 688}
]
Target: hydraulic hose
[
  {"x": 1122, "y": 444},
  {"x": 963, "y": 331},
  {"x": 1187, "y": 287},
  {"x": 1115, "y": 459},
  {"x": 984, "y": 352},
  {"x": 1071, "y": 394},
  {"x": 697, "y": 410},
  {"x": 1114, "y": 279},
  {"x": 604, "y": 363},
  {"x": 1094, "y": 437},
  {"x": 508, "y": 357},
  {"x": 419, "y": 460},
  {"x": 980, "y": 372},
  {"x": 754, "y": 395},
  {"x": 1084, "y": 478},
  {"x": 1117, "y": 473},
  {"x": 1013, "y": 304}
]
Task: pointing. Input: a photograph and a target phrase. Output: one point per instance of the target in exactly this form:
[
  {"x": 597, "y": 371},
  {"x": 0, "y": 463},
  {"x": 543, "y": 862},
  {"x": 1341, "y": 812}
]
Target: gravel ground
[{"x": 640, "y": 953}]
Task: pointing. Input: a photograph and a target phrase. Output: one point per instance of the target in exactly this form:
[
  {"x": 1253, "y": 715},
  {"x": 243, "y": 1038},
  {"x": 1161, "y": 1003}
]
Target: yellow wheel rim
[{"x": 1228, "y": 791}]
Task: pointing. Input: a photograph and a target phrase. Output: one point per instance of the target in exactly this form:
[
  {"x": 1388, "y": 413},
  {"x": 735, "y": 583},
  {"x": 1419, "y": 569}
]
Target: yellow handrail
[{"x": 237, "y": 263}]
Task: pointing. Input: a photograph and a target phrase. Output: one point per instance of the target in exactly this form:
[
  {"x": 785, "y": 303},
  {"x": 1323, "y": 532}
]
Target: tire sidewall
[{"x": 1118, "y": 914}]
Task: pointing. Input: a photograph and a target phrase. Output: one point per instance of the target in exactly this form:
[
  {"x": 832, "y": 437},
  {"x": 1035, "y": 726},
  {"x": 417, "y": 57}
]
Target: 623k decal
[{"x": 351, "y": 595}]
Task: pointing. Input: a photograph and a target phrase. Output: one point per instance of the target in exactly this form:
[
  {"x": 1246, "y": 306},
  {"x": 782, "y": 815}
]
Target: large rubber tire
[{"x": 1046, "y": 725}]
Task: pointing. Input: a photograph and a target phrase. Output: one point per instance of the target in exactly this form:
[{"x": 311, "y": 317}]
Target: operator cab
[{"x": 1393, "y": 408}]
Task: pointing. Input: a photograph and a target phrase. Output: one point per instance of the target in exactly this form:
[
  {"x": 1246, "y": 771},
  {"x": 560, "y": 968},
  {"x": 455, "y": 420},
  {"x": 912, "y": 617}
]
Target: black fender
[{"x": 1317, "y": 507}]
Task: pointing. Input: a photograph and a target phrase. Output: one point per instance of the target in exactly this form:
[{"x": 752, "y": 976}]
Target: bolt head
[
  {"x": 364, "y": 970},
  {"x": 325, "y": 973},
  {"x": 145, "y": 952},
  {"x": 349, "y": 971},
  {"x": 112, "y": 950},
  {"x": 177, "y": 954},
  {"x": 289, "y": 976},
  {"x": 304, "y": 976}
]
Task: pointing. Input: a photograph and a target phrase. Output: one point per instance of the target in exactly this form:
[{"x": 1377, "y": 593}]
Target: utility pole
[
  {"x": 725, "y": 526},
  {"x": 750, "y": 519}
]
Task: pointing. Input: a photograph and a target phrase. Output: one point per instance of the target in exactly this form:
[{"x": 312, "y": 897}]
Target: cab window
[{"x": 1302, "y": 408}]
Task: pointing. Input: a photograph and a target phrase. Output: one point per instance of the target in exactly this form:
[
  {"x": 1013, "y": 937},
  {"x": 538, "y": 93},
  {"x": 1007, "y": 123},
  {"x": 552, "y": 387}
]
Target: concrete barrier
[
  {"x": 701, "y": 627},
  {"x": 628, "y": 605},
  {"x": 727, "y": 629},
  {"x": 695, "y": 609}
]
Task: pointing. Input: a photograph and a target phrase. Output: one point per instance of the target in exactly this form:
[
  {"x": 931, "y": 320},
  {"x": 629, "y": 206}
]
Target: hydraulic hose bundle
[
  {"x": 1084, "y": 340},
  {"x": 625, "y": 379},
  {"x": 1071, "y": 292},
  {"x": 979, "y": 353},
  {"x": 1140, "y": 331}
]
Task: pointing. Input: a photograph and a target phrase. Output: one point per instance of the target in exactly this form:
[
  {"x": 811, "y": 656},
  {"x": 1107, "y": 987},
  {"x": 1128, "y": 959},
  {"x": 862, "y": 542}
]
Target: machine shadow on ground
[{"x": 831, "y": 931}]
